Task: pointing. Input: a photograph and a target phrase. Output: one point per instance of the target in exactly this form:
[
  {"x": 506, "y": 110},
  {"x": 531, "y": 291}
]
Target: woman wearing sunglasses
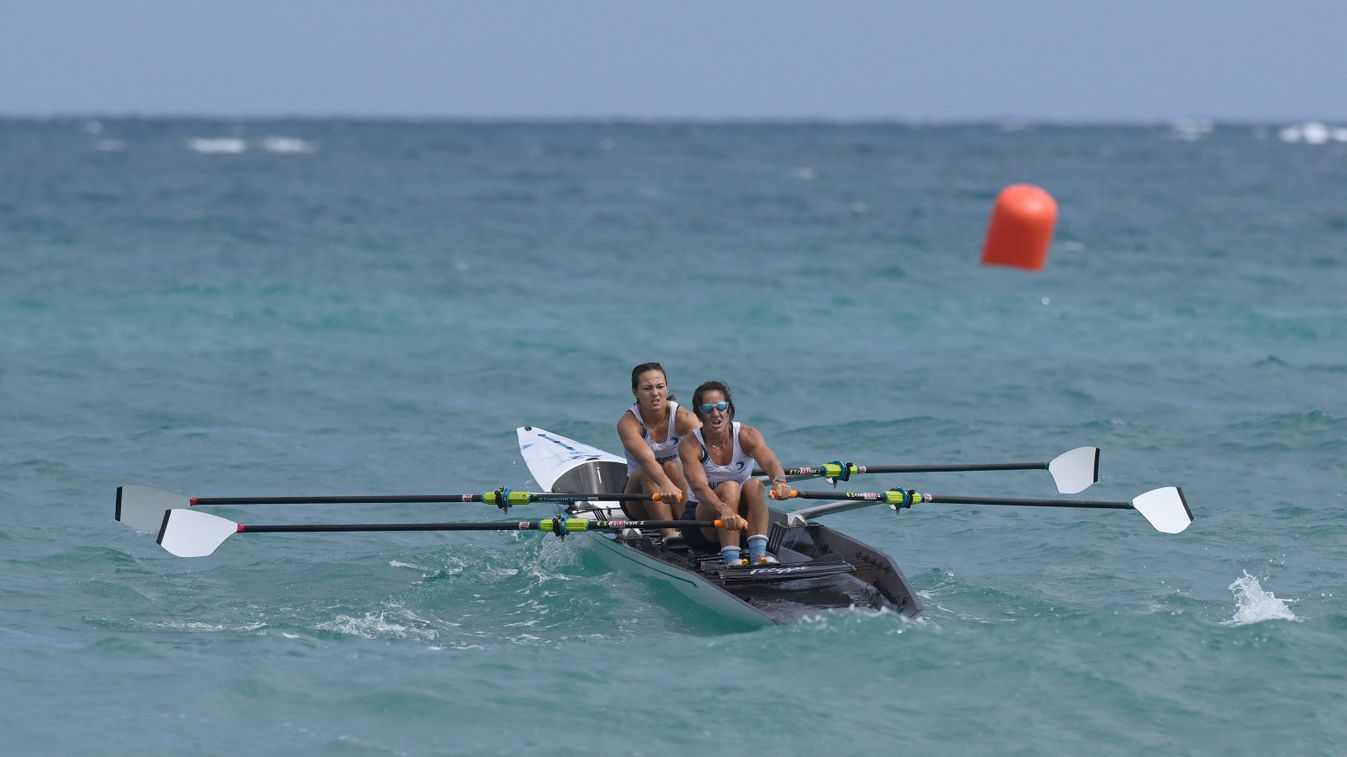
[
  {"x": 718, "y": 462},
  {"x": 650, "y": 431}
]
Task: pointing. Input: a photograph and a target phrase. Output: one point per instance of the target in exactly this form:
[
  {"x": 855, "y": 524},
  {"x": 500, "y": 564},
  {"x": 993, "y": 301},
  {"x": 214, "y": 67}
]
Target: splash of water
[{"x": 1253, "y": 605}]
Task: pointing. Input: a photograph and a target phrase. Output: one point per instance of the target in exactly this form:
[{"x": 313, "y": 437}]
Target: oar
[
  {"x": 192, "y": 533},
  {"x": 142, "y": 507},
  {"x": 1073, "y": 471},
  {"x": 1165, "y": 508}
]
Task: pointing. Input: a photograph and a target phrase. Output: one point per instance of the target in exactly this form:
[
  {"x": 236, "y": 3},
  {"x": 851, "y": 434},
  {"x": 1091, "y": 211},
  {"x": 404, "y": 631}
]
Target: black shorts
[{"x": 694, "y": 537}]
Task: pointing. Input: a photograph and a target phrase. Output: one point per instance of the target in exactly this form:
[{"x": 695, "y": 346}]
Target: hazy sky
[{"x": 1041, "y": 59}]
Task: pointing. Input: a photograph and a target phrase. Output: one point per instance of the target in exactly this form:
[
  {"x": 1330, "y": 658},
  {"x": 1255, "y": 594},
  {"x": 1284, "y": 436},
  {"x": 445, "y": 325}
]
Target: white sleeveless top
[
  {"x": 739, "y": 469},
  {"x": 665, "y": 450}
]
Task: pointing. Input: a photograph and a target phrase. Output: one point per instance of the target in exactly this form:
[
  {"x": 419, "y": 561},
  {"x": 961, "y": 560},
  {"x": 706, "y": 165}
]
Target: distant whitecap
[
  {"x": 1191, "y": 130},
  {"x": 288, "y": 145},
  {"x": 218, "y": 146},
  {"x": 1310, "y": 132},
  {"x": 804, "y": 173},
  {"x": 110, "y": 145}
]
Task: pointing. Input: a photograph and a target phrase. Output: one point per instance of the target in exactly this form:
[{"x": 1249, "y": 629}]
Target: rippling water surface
[{"x": 311, "y": 307}]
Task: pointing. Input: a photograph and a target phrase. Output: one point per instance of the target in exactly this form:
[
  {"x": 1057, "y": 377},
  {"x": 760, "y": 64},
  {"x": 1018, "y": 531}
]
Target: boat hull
[{"x": 822, "y": 570}]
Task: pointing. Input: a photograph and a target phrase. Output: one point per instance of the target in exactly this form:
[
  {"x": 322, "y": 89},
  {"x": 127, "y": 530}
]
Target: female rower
[
  {"x": 718, "y": 461},
  {"x": 650, "y": 431}
]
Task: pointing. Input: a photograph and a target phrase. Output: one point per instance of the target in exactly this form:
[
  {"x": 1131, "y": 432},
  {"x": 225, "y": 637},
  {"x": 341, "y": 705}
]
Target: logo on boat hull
[
  {"x": 576, "y": 454},
  {"x": 778, "y": 570}
]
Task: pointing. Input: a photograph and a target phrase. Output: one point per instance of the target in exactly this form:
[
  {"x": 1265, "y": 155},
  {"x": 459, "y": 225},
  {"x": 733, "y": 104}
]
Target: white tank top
[
  {"x": 740, "y": 467},
  {"x": 665, "y": 450}
]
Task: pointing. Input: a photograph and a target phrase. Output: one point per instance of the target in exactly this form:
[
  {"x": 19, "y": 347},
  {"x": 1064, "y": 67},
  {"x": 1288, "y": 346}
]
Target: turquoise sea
[{"x": 308, "y": 307}]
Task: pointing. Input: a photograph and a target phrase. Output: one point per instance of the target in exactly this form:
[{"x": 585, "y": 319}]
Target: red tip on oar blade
[
  {"x": 1076, "y": 470},
  {"x": 1165, "y": 508},
  {"x": 192, "y": 533}
]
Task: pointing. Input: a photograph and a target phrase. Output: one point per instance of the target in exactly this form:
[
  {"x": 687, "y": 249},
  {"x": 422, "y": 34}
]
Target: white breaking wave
[
  {"x": 1253, "y": 605},
  {"x": 1191, "y": 130},
  {"x": 376, "y": 625},
  {"x": 288, "y": 145},
  {"x": 217, "y": 145},
  {"x": 1313, "y": 133},
  {"x": 199, "y": 627}
]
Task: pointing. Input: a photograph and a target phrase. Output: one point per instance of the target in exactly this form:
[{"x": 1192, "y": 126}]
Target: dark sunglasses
[{"x": 722, "y": 406}]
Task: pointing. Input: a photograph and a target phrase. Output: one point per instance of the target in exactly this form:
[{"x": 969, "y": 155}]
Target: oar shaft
[
  {"x": 512, "y": 497},
  {"x": 896, "y": 496},
  {"x": 948, "y": 468},
  {"x": 338, "y": 500},
  {"x": 571, "y": 524},
  {"x": 834, "y": 470},
  {"x": 938, "y": 499}
]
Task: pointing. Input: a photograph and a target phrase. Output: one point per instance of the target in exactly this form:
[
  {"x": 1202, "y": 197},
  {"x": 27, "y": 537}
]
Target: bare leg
[
  {"x": 728, "y": 492},
  {"x": 636, "y": 484},
  {"x": 754, "y": 508}
]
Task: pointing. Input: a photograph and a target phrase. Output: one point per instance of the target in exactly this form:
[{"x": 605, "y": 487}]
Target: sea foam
[
  {"x": 288, "y": 145},
  {"x": 1253, "y": 605},
  {"x": 217, "y": 146}
]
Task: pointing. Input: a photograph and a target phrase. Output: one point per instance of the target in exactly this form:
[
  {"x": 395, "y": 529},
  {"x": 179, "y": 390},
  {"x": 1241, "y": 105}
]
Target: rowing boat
[{"x": 821, "y": 569}]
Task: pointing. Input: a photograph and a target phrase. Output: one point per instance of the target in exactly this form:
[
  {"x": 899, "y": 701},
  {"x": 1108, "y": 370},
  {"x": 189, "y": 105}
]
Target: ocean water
[{"x": 334, "y": 307}]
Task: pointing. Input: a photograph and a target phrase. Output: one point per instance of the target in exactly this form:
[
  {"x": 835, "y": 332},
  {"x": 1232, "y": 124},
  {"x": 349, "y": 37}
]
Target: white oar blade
[
  {"x": 192, "y": 533},
  {"x": 1166, "y": 509},
  {"x": 1076, "y": 470},
  {"x": 142, "y": 507}
]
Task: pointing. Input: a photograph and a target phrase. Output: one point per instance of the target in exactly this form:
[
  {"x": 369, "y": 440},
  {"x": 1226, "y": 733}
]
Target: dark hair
[
  {"x": 709, "y": 386},
  {"x": 642, "y": 368}
]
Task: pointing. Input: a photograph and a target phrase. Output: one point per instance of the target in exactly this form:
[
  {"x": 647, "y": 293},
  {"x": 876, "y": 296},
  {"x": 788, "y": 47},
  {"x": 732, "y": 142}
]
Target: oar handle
[{"x": 896, "y": 497}]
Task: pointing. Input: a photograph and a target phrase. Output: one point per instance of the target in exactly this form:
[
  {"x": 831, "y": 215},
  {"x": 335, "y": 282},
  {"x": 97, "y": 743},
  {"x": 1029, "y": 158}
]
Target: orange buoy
[{"x": 1021, "y": 228}]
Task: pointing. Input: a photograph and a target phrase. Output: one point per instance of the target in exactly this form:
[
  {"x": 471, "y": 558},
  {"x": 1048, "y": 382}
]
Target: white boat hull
[{"x": 821, "y": 569}]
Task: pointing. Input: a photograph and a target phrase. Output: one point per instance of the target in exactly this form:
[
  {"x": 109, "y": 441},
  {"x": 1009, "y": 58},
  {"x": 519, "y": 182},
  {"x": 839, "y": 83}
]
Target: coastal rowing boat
[{"x": 821, "y": 569}]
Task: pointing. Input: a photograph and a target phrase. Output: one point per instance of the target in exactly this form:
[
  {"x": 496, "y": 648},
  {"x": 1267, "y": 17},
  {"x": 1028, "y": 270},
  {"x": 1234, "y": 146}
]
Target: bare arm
[
  {"x": 685, "y": 423},
  {"x": 754, "y": 446},
  {"x": 629, "y": 431},
  {"x": 690, "y": 453}
]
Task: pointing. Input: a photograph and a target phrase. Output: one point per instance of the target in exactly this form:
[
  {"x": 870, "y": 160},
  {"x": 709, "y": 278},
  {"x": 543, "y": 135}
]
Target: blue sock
[
  {"x": 730, "y": 555},
  {"x": 757, "y": 548}
]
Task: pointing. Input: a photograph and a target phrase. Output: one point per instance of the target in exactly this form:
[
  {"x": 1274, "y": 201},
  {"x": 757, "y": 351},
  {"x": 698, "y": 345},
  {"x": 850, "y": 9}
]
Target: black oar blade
[
  {"x": 1165, "y": 508},
  {"x": 192, "y": 533},
  {"x": 1076, "y": 470},
  {"x": 142, "y": 507}
]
